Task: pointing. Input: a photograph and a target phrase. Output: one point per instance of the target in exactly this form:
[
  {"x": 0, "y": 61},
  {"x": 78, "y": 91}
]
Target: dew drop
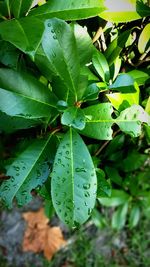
[
  {"x": 63, "y": 179},
  {"x": 80, "y": 170},
  {"x": 87, "y": 194},
  {"x": 52, "y": 31},
  {"x": 89, "y": 211},
  {"x": 59, "y": 160},
  {"x": 6, "y": 187},
  {"x": 49, "y": 24},
  {"x": 54, "y": 37},
  {"x": 86, "y": 186},
  {"x": 67, "y": 152},
  {"x": 58, "y": 202}
]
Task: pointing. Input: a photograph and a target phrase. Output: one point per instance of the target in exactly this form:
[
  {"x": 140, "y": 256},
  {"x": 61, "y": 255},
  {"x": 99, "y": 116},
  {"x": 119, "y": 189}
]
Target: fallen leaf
[{"x": 39, "y": 236}]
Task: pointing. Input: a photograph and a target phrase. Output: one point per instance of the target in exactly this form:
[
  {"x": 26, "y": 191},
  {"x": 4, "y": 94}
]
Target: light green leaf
[
  {"x": 19, "y": 8},
  {"x": 115, "y": 47},
  {"x": 69, "y": 10},
  {"x": 22, "y": 35},
  {"x": 134, "y": 216},
  {"x": 130, "y": 120},
  {"x": 144, "y": 39},
  {"x": 101, "y": 65},
  {"x": 74, "y": 180},
  {"x": 58, "y": 56},
  {"x": 74, "y": 117},
  {"x": 122, "y": 11},
  {"x": 98, "y": 121},
  {"x": 119, "y": 217},
  {"x": 22, "y": 95},
  {"x": 147, "y": 108},
  {"x": 118, "y": 197},
  {"x": 121, "y": 101},
  {"x": 29, "y": 170},
  {"x": 124, "y": 84}
]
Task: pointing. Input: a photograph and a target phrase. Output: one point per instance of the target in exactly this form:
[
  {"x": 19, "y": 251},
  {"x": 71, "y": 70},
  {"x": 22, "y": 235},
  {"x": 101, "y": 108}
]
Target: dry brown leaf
[{"x": 39, "y": 236}]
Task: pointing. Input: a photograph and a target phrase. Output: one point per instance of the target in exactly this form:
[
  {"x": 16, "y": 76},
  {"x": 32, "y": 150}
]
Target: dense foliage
[{"x": 74, "y": 107}]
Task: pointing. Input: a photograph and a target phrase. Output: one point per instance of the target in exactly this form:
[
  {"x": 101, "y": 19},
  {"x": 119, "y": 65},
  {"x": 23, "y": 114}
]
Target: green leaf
[
  {"x": 84, "y": 43},
  {"x": 74, "y": 117},
  {"x": 103, "y": 187},
  {"x": 115, "y": 47},
  {"x": 9, "y": 55},
  {"x": 130, "y": 120},
  {"x": 139, "y": 76},
  {"x": 101, "y": 65},
  {"x": 147, "y": 108},
  {"x": 118, "y": 197},
  {"x": 60, "y": 52},
  {"x": 69, "y": 10},
  {"x": 134, "y": 216},
  {"x": 21, "y": 7},
  {"x": 133, "y": 161},
  {"x": 124, "y": 84},
  {"x": 29, "y": 170},
  {"x": 98, "y": 121},
  {"x": 22, "y": 95},
  {"x": 11, "y": 124},
  {"x": 21, "y": 34},
  {"x": 119, "y": 217},
  {"x": 113, "y": 175},
  {"x": 74, "y": 180},
  {"x": 121, "y": 101},
  {"x": 91, "y": 92},
  {"x": 124, "y": 11},
  {"x": 144, "y": 39}
]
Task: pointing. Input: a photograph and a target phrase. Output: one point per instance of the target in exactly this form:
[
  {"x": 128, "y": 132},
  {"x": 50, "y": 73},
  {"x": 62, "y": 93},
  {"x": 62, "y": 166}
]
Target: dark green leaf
[
  {"x": 133, "y": 161},
  {"x": 69, "y": 10},
  {"x": 9, "y": 55},
  {"x": 22, "y": 95},
  {"x": 74, "y": 117},
  {"x": 74, "y": 180},
  {"x": 29, "y": 170},
  {"x": 115, "y": 47},
  {"x": 22, "y": 35},
  {"x": 21, "y": 7},
  {"x": 113, "y": 175},
  {"x": 124, "y": 84},
  {"x": 103, "y": 187},
  {"x": 139, "y": 76},
  {"x": 60, "y": 52}
]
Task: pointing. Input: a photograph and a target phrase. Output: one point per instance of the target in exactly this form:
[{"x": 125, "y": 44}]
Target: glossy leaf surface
[
  {"x": 74, "y": 117},
  {"x": 60, "y": 52},
  {"x": 74, "y": 180},
  {"x": 29, "y": 170},
  {"x": 98, "y": 121},
  {"x": 69, "y": 10},
  {"x": 22, "y": 95}
]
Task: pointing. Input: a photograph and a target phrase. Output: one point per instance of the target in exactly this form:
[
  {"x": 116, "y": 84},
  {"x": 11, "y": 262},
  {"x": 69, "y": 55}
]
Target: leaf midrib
[
  {"x": 32, "y": 166},
  {"x": 29, "y": 98}
]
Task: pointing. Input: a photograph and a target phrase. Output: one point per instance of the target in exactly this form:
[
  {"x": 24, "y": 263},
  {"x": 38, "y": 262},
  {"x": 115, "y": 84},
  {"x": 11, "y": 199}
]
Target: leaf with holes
[
  {"x": 74, "y": 180},
  {"x": 29, "y": 170},
  {"x": 98, "y": 121},
  {"x": 130, "y": 120}
]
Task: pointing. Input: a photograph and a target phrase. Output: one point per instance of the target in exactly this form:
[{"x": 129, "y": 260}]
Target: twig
[{"x": 105, "y": 144}]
